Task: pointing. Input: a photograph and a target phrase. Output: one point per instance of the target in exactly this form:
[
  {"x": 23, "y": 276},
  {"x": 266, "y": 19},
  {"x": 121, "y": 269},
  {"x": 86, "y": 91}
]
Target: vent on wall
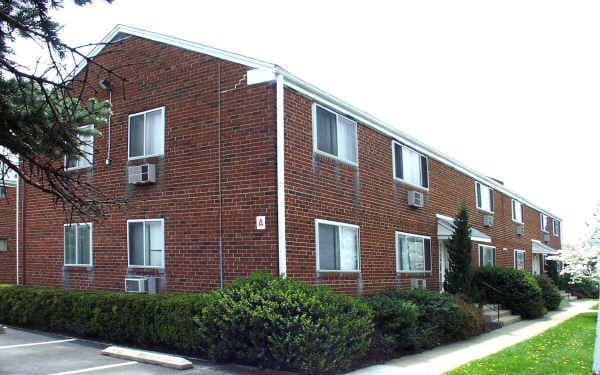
[
  {"x": 520, "y": 230},
  {"x": 415, "y": 198},
  {"x": 488, "y": 221},
  {"x": 141, "y": 174},
  {"x": 137, "y": 285},
  {"x": 418, "y": 284},
  {"x": 546, "y": 237}
]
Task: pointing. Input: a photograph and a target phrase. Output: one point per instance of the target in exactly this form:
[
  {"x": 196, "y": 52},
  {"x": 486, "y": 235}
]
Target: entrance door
[
  {"x": 536, "y": 264},
  {"x": 444, "y": 263}
]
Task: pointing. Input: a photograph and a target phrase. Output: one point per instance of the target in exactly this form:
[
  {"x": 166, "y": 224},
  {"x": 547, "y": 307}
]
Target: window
[
  {"x": 337, "y": 246},
  {"x": 3, "y": 244},
  {"x": 146, "y": 243},
  {"x": 147, "y": 133},
  {"x": 517, "y": 211},
  {"x": 410, "y": 166},
  {"x": 485, "y": 197},
  {"x": 2, "y": 192},
  {"x": 487, "y": 255},
  {"x": 520, "y": 259},
  {"x": 556, "y": 227},
  {"x": 78, "y": 244},
  {"x": 413, "y": 253},
  {"x": 86, "y": 148},
  {"x": 6, "y": 172},
  {"x": 544, "y": 223},
  {"x": 335, "y": 134}
]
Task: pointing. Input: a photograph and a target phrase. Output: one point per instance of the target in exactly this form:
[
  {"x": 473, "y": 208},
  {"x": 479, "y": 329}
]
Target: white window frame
[
  {"x": 144, "y": 156},
  {"x": 2, "y": 192},
  {"x": 315, "y": 138},
  {"x": 479, "y": 246},
  {"x": 490, "y": 191},
  {"x": 162, "y": 221},
  {"x": 399, "y": 261},
  {"x": 339, "y": 225},
  {"x": 544, "y": 219},
  {"x": 517, "y": 251},
  {"x": 513, "y": 206},
  {"x": 555, "y": 225},
  {"x": 396, "y": 178},
  {"x": 77, "y": 264},
  {"x": 4, "y": 249},
  {"x": 87, "y": 161}
]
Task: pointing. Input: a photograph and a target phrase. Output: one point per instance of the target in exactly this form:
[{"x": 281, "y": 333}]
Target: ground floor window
[
  {"x": 337, "y": 246},
  {"x": 78, "y": 244},
  {"x": 3, "y": 245},
  {"x": 487, "y": 255},
  {"x": 413, "y": 253},
  {"x": 146, "y": 242},
  {"x": 520, "y": 259}
]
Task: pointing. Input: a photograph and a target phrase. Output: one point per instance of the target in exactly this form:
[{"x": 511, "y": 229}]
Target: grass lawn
[{"x": 565, "y": 349}]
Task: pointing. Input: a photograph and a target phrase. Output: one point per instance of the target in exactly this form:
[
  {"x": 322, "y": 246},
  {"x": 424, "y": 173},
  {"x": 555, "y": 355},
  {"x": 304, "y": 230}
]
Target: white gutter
[
  {"x": 281, "y": 175},
  {"x": 17, "y": 228}
]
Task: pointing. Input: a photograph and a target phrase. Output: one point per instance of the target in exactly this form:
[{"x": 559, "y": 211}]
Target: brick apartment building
[{"x": 232, "y": 165}]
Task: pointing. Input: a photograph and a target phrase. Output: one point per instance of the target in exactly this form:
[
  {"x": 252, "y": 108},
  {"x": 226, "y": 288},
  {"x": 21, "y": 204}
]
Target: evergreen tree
[
  {"x": 42, "y": 108},
  {"x": 459, "y": 253}
]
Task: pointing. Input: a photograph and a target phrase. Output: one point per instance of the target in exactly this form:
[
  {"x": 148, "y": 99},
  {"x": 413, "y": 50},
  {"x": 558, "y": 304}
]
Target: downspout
[
  {"x": 17, "y": 227},
  {"x": 281, "y": 175},
  {"x": 221, "y": 271}
]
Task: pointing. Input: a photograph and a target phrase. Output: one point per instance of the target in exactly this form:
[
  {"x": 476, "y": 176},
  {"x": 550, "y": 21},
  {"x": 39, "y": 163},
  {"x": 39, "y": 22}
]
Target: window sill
[
  {"x": 145, "y": 157},
  {"x": 518, "y": 222},
  {"x": 81, "y": 267},
  {"x": 412, "y": 272},
  {"x": 338, "y": 271},
  {"x": 75, "y": 169},
  {"x": 331, "y": 156},
  {"x": 485, "y": 211},
  {"x": 131, "y": 267},
  {"x": 399, "y": 180}
]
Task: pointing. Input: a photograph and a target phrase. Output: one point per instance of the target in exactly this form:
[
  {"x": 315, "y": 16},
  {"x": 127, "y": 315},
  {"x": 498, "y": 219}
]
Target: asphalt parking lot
[{"x": 32, "y": 353}]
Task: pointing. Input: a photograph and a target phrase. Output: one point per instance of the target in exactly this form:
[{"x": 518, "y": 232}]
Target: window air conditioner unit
[
  {"x": 137, "y": 285},
  {"x": 488, "y": 221},
  {"x": 520, "y": 230},
  {"x": 142, "y": 174},
  {"x": 418, "y": 284},
  {"x": 415, "y": 198},
  {"x": 546, "y": 237}
]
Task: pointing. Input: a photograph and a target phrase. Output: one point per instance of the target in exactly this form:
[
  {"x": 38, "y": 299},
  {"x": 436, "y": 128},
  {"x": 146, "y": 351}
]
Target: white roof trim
[
  {"x": 537, "y": 247},
  {"x": 316, "y": 94},
  {"x": 445, "y": 230}
]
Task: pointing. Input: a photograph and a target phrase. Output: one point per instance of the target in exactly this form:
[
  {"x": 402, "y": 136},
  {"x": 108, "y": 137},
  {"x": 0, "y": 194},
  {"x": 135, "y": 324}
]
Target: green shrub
[
  {"x": 517, "y": 290},
  {"x": 474, "y": 322},
  {"x": 285, "y": 324},
  {"x": 585, "y": 288},
  {"x": 161, "y": 321},
  {"x": 550, "y": 292},
  {"x": 440, "y": 319},
  {"x": 395, "y": 325}
]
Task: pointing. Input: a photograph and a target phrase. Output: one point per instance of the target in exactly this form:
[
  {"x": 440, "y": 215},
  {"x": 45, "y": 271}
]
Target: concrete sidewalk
[{"x": 448, "y": 357}]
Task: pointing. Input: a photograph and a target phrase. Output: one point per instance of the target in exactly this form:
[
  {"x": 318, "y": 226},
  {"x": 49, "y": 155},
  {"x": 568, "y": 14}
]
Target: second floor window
[
  {"x": 335, "y": 134},
  {"x": 147, "y": 133},
  {"x": 86, "y": 149},
  {"x": 544, "y": 226},
  {"x": 410, "y": 166},
  {"x": 556, "y": 227},
  {"x": 485, "y": 197},
  {"x": 517, "y": 211}
]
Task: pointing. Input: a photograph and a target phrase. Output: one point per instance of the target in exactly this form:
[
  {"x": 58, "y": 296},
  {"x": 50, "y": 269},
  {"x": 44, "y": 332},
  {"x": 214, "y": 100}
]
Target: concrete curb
[{"x": 144, "y": 356}]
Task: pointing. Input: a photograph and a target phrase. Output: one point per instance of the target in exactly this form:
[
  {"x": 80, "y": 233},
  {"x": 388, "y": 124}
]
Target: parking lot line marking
[
  {"x": 35, "y": 344},
  {"x": 96, "y": 368}
]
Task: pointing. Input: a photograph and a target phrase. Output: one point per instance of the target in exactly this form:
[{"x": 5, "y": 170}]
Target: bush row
[{"x": 582, "y": 289}]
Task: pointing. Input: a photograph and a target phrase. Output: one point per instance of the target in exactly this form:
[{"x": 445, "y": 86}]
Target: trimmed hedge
[
  {"x": 155, "y": 321},
  {"x": 517, "y": 290},
  {"x": 285, "y": 324},
  {"x": 409, "y": 321},
  {"x": 550, "y": 292}
]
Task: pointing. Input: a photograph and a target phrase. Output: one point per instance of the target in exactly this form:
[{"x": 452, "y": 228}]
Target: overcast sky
[{"x": 510, "y": 88}]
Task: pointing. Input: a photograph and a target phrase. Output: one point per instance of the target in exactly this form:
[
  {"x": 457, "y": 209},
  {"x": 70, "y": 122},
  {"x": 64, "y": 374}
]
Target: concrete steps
[
  {"x": 490, "y": 313},
  {"x": 567, "y": 296}
]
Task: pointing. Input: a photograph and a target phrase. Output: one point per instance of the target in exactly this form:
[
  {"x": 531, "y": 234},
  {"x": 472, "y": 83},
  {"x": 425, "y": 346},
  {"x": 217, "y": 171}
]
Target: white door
[
  {"x": 536, "y": 264},
  {"x": 444, "y": 263}
]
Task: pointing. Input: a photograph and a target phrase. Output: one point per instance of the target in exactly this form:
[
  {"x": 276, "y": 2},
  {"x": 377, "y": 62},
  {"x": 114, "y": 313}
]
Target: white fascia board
[
  {"x": 369, "y": 120},
  {"x": 173, "y": 41}
]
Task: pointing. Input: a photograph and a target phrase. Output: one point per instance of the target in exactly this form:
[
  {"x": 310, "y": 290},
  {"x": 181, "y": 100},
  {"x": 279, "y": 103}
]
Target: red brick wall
[
  {"x": 186, "y": 191},
  {"x": 320, "y": 187},
  {"x": 8, "y": 259}
]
